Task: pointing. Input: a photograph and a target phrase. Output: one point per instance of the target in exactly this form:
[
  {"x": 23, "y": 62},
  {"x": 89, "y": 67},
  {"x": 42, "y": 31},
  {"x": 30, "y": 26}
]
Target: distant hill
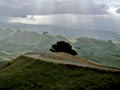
[
  {"x": 32, "y": 74},
  {"x": 18, "y": 42},
  {"x": 69, "y": 31},
  {"x": 99, "y": 51}
]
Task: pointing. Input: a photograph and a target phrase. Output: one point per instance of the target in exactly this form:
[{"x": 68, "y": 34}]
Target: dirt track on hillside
[{"x": 63, "y": 58}]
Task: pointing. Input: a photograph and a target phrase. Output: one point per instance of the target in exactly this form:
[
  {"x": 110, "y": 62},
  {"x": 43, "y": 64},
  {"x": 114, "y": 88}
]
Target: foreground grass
[{"x": 28, "y": 74}]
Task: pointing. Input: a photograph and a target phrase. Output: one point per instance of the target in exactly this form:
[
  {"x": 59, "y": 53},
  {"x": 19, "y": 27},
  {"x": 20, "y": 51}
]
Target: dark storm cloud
[
  {"x": 118, "y": 11},
  {"x": 45, "y": 7},
  {"x": 15, "y": 7}
]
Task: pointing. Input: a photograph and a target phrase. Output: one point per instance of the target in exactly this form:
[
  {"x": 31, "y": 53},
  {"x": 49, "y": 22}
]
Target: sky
[
  {"x": 21, "y": 8},
  {"x": 59, "y": 11}
]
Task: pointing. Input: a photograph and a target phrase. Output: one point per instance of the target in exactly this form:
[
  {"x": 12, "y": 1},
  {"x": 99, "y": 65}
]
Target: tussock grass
[{"x": 28, "y": 74}]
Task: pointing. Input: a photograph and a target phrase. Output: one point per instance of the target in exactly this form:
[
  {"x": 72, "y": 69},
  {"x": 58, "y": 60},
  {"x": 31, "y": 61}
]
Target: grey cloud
[
  {"x": 118, "y": 11},
  {"x": 45, "y": 7}
]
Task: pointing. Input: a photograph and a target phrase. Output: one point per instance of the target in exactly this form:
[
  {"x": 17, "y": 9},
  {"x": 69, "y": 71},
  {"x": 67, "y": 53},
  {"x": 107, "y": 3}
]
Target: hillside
[
  {"x": 99, "y": 51},
  {"x": 33, "y": 74},
  {"x": 70, "y": 31},
  {"x": 17, "y": 42},
  {"x": 5, "y": 57},
  {"x": 64, "y": 58}
]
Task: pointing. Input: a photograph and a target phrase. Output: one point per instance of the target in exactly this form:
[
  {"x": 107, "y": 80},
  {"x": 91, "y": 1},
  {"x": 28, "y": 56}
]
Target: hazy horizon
[{"x": 77, "y": 15}]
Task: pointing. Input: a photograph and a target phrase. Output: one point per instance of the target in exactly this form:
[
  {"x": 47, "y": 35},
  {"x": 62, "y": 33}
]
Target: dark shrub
[{"x": 63, "y": 46}]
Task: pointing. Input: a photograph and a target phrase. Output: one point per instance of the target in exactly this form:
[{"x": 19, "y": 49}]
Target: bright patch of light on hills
[{"x": 72, "y": 40}]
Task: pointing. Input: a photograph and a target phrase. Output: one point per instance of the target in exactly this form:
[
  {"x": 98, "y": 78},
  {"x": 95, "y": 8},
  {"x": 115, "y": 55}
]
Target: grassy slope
[
  {"x": 19, "y": 42},
  {"x": 99, "y": 51},
  {"x": 28, "y": 74}
]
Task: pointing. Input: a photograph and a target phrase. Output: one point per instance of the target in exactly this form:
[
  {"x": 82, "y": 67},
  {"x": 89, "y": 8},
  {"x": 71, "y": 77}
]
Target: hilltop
[
  {"x": 26, "y": 73},
  {"x": 64, "y": 58}
]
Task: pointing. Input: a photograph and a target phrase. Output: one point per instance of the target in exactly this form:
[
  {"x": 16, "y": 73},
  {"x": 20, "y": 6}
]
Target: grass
[
  {"x": 28, "y": 74},
  {"x": 99, "y": 51}
]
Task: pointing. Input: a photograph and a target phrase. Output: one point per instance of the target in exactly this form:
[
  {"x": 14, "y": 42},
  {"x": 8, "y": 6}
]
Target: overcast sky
[
  {"x": 50, "y": 11},
  {"x": 21, "y": 8}
]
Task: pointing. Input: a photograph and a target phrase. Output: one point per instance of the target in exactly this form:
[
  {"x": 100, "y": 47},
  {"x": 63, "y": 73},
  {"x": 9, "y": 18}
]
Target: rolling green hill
[
  {"x": 32, "y": 74},
  {"x": 104, "y": 52},
  {"x": 5, "y": 57},
  {"x": 17, "y": 42}
]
